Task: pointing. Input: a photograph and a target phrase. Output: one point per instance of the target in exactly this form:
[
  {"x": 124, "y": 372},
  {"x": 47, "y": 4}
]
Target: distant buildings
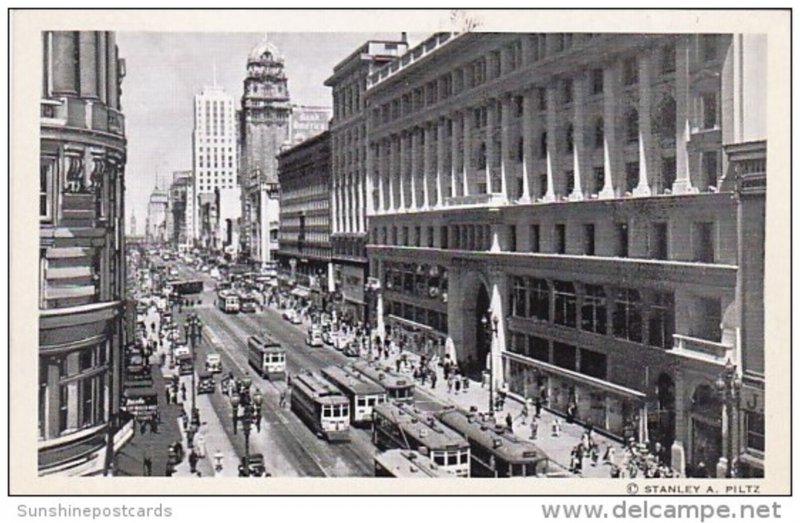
[
  {"x": 349, "y": 194},
  {"x": 181, "y": 207},
  {"x": 215, "y": 167},
  {"x": 157, "y": 213},
  {"x": 307, "y": 121},
  {"x": 263, "y": 129},
  {"x": 82, "y": 249}
]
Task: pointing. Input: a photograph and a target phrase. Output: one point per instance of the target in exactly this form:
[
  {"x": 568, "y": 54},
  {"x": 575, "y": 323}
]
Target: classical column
[
  {"x": 467, "y": 149},
  {"x": 440, "y": 132},
  {"x": 610, "y": 143},
  {"x": 491, "y": 124},
  {"x": 403, "y": 169},
  {"x": 579, "y": 84},
  {"x": 394, "y": 198},
  {"x": 498, "y": 298},
  {"x": 102, "y": 67},
  {"x": 683, "y": 180},
  {"x": 374, "y": 189},
  {"x": 455, "y": 138},
  {"x": 682, "y": 405},
  {"x": 527, "y": 145},
  {"x": 414, "y": 170},
  {"x": 552, "y": 144},
  {"x": 87, "y": 52},
  {"x": 428, "y": 163},
  {"x": 646, "y": 145},
  {"x": 63, "y": 66},
  {"x": 505, "y": 139}
]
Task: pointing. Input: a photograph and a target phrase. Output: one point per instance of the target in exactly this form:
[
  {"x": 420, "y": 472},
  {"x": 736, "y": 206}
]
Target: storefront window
[
  {"x": 593, "y": 310},
  {"x": 627, "y": 316},
  {"x": 564, "y": 303},
  {"x": 593, "y": 364},
  {"x": 754, "y": 428},
  {"x": 539, "y": 299},
  {"x": 564, "y": 356},
  {"x": 661, "y": 321},
  {"x": 519, "y": 297}
]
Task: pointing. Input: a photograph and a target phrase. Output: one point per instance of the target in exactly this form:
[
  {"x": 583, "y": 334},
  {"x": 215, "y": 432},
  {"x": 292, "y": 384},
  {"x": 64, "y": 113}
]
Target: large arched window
[
  {"x": 569, "y": 140},
  {"x": 665, "y": 120},
  {"x": 632, "y": 125}
]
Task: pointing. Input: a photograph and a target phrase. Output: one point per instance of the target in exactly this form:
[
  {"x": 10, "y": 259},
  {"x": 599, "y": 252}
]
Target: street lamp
[
  {"x": 251, "y": 405},
  {"x": 193, "y": 329},
  {"x": 729, "y": 386},
  {"x": 489, "y": 323}
]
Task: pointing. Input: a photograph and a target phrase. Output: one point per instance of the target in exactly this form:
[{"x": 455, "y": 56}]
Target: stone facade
[{"x": 82, "y": 246}]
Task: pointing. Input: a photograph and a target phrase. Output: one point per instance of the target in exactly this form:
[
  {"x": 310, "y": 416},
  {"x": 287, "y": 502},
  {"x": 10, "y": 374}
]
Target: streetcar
[
  {"x": 186, "y": 286},
  {"x": 363, "y": 393},
  {"x": 496, "y": 453},
  {"x": 267, "y": 357},
  {"x": 228, "y": 301},
  {"x": 248, "y": 302},
  {"x": 410, "y": 464},
  {"x": 398, "y": 387},
  {"x": 401, "y": 426},
  {"x": 321, "y": 405}
]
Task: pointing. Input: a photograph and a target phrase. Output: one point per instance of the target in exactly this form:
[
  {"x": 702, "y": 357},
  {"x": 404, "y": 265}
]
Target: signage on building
[{"x": 752, "y": 399}]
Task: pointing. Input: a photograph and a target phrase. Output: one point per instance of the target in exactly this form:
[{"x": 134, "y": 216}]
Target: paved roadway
[{"x": 289, "y": 446}]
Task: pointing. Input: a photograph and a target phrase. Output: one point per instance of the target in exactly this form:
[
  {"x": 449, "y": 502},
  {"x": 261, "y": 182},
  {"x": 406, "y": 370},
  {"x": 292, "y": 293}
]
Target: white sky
[{"x": 165, "y": 70}]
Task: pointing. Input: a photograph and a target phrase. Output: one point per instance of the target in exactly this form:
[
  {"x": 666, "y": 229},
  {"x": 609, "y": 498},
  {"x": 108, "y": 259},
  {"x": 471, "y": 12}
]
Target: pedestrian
[
  {"x": 525, "y": 411},
  {"x": 147, "y": 463},
  {"x": 183, "y": 392},
  {"x": 465, "y": 384},
  {"x": 538, "y": 405},
  {"x": 571, "y": 410},
  {"x": 434, "y": 377},
  {"x": 282, "y": 403},
  {"x": 450, "y": 384},
  {"x": 153, "y": 425},
  {"x": 457, "y": 383},
  {"x": 510, "y": 423},
  {"x": 168, "y": 395},
  {"x": 534, "y": 429},
  {"x": 556, "y": 428},
  {"x": 193, "y": 459},
  {"x": 397, "y": 364}
]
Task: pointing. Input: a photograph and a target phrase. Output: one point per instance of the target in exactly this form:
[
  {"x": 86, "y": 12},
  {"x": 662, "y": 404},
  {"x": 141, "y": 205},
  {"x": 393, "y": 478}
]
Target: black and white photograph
[{"x": 451, "y": 251}]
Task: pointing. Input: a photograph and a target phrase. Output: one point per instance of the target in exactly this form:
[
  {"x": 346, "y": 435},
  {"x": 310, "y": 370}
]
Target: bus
[
  {"x": 496, "y": 453},
  {"x": 248, "y": 302},
  {"x": 401, "y": 426},
  {"x": 184, "y": 360},
  {"x": 267, "y": 357},
  {"x": 398, "y": 388},
  {"x": 186, "y": 286},
  {"x": 228, "y": 301},
  {"x": 397, "y": 463},
  {"x": 321, "y": 406},
  {"x": 363, "y": 393}
]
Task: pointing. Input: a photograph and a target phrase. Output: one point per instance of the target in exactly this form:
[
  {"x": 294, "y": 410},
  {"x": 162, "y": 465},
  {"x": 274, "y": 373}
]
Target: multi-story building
[
  {"x": 157, "y": 216},
  {"x": 180, "y": 195},
  {"x": 214, "y": 161},
  {"x": 82, "y": 251},
  {"x": 348, "y": 171},
  {"x": 304, "y": 173},
  {"x": 553, "y": 207},
  {"x": 263, "y": 130}
]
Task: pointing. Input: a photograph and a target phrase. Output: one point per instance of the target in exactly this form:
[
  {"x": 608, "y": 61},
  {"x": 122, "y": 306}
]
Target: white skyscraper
[{"x": 215, "y": 166}]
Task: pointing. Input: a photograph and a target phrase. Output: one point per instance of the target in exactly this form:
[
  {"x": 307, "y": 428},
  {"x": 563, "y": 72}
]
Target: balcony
[
  {"x": 472, "y": 200},
  {"x": 699, "y": 348},
  {"x": 414, "y": 55}
]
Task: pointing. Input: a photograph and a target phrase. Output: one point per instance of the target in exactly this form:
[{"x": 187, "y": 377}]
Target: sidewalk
[{"x": 557, "y": 448}]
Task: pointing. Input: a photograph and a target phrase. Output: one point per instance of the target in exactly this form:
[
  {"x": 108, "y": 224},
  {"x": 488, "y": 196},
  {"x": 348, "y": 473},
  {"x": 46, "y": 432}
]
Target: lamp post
[
  {"x": 251, "y": 405},
  {"x": 489, "y": 323},
  {"x": 193, "y": 329},
  {"x": 729, "y": 386}
]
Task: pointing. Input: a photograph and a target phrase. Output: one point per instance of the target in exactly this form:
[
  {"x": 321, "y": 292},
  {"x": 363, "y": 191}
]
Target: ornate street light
[
  {"x": 729, "y": 386},
  {"x": 193, "y": 330},
  {"x": 489, "y": 323},
  {"x": 251, "y": 404}
]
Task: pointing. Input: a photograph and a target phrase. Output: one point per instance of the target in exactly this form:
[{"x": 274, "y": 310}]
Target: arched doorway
[
  {"x": 477, "y": 364},
  {"x": 706, "y": 430}
]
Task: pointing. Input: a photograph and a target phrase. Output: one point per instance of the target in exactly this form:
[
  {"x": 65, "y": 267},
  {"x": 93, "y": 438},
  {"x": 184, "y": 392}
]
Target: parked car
[
  {"x": 340, "y": 340},
  {"x": 288, "y": 314},
  {"x": 214, "y": 363},
  {"x": 352, "y": 350},
  {"x": 255, "y": 466},
  {"x": 314, "y": 337},
  {"x": 296, "y": 319},
  {"x": 206, "y": 383}
]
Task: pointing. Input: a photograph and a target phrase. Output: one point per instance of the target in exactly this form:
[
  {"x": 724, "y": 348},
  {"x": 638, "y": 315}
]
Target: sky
[{"x": 165, "y": 70}]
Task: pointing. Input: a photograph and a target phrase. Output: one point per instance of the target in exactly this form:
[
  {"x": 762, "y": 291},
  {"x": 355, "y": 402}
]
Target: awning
[{"x": 300, "y": 292}]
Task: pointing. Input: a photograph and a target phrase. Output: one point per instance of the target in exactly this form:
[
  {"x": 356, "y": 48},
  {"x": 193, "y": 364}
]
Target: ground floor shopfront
[
  {"x": 570, "y": 332},
  {"x": 349, "y": 296}
]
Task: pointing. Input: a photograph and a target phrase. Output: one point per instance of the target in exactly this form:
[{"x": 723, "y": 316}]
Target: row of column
[
  {"x": 348, "y": 203},
  {"x": 403, "y": 182},
  {"x": 81, "y": 63}
]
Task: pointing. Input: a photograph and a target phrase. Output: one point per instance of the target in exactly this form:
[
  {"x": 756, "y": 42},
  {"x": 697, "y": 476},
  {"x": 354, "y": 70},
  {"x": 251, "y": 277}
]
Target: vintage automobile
[
  {"x": 352, "y": 350},
  {"x": 206, "y": 383},
  {"x": 314, "y": 337},
  {"x": 214, "y": 363},
  {"x": 255, "y": 468}
]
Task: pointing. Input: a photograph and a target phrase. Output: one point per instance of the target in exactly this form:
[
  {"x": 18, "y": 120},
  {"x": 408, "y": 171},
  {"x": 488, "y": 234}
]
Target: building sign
[
  {"x": 752, "y": 399},
  {"x": 352, "y": 283}
]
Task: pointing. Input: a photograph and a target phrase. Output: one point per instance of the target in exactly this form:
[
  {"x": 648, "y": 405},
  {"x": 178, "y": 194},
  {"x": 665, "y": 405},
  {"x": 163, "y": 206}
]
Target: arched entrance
[{"x": 477, "y": 364}]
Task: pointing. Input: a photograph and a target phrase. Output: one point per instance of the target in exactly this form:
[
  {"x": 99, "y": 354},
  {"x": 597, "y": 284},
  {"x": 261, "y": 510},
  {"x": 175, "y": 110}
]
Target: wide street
[{"x": 290, "y": 448}]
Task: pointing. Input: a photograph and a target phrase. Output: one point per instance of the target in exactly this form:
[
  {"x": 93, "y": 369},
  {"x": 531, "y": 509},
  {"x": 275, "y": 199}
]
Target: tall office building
[
  {"x": 551, "y": 208},
  {"x": 215, "y": 164},
  {"x": 82, "y": 252},
  {"x": 349, "y": 198},
  {"x": 263, "y": 130}
]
